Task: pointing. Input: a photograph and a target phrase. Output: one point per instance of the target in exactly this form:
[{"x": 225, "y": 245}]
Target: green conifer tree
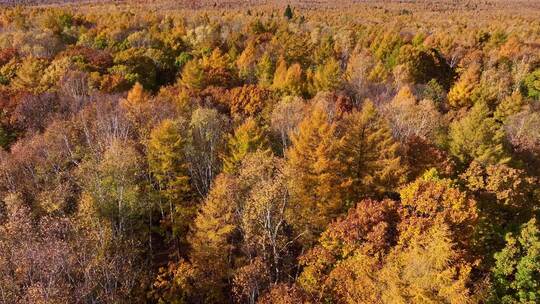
[
  {"x": 288, "y": 12},
  {"x": 247, "y": 138},
  {"x": 479, "y": 137}
]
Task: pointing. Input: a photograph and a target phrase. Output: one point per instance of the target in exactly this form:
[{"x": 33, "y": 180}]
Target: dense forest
[{"x": 274, "y": 154}]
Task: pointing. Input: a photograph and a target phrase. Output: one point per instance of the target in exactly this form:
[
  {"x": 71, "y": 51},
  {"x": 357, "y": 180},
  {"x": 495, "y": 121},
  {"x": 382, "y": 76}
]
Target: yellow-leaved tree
[
  {"x": 249, "y": 137},
  {"x": 461, "y": 93},
  {"x": 167, "y": 164},
  {"x": 427, "y": 270},
  {"x": 316, "y": 174},
  {"x": 370, "y": 154}
]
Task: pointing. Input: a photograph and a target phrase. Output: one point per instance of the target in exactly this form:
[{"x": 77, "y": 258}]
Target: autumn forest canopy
[{"x": 274, "y": 153}]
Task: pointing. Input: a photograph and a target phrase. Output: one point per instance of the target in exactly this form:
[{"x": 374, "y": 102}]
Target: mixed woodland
[{"x": 383, "y": 153}]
